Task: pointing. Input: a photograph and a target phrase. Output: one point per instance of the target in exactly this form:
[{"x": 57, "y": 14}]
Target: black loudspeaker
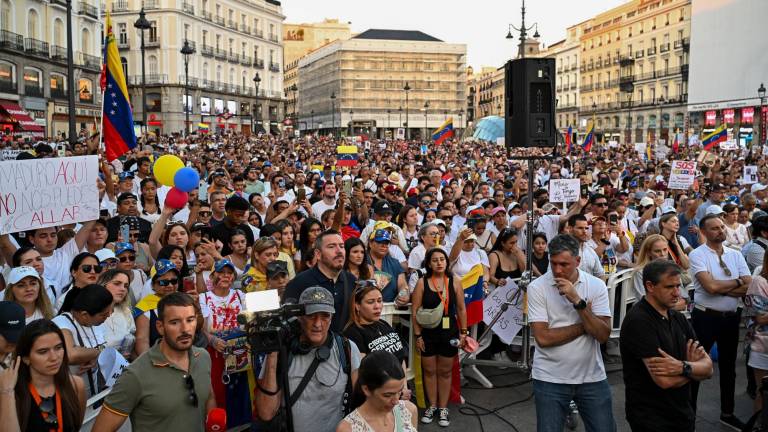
[{"x": 529, "y": 103}]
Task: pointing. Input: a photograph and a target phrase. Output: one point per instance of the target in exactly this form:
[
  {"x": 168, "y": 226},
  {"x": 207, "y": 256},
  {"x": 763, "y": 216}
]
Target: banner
[
  {"x": 564, "y": 190},
  {"x": 511, "y": 321},
  {"x": 40, "y": 193},
  {"x": 682, "y": 174}
]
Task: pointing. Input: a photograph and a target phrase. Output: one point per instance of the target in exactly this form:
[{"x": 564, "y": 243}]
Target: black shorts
[{"x": 438, "y": 342}]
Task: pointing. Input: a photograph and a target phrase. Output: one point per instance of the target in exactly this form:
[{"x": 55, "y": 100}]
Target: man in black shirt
[
  {"x": 236, "y": 215},
  {"x": 661, "y": 356},
  {"x": 127, "y": 213},
  {"x": 329, "y": 273}
]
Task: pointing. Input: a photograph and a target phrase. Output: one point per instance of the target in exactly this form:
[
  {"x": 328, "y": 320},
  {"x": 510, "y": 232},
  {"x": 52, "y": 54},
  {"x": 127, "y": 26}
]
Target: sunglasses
[
  {"x": 133, "y": 235},
  {"x": 48, "y": 408},
  {"x": 725, "y": 268},
  {"x": 205, "y": 213},
  {"x": 130, "y": 258},
  {"x": 426, "y": 202},
  {"x": 167, "y": 282},
  {"x": 190, "y": 384},
  {"x": 88, "y": 268},
  {"x": 601, "y": 204}
]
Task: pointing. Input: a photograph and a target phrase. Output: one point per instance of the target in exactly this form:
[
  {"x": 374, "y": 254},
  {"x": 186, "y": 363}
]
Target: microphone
[{"x": 216, "y": 420}]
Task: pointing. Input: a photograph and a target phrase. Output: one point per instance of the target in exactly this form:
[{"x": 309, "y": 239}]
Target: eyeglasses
[
  {"x": 190, "y": 384},
  {"x": 725, "y": 268},
  {"x": 432, "y": 234},
  {"x": 602, "y": 204},
  {"x": 130, "y": 258},
  {"x": 167, "y": 282},
  {"x": 48, "y": 408},
  {"x": 205, "y": 213},
  {"x": 174, "y": 223},
  {"x": 88, "y": 268},
  {"x": 426, "y": 202},
  {"x": 133, "y": 235}
]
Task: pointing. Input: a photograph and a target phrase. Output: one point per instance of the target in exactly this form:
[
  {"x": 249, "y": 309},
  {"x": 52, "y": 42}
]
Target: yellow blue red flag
[
  {"x": 716, "y": 137},
  {"x": 117, "y": 115},
  {"x": 444, "y": 132}
]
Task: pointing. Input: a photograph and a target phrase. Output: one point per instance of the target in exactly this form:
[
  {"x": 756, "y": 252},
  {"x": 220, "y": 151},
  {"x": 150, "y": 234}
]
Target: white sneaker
[
  {"x": 429, "y": 414},
  {"x": 444, "y": 422}
]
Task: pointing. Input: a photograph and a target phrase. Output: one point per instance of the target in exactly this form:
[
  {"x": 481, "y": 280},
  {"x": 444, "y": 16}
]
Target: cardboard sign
[
  {"x": 511, "y": 321},
  {"x": 729, "y": 145},
  {"x": 682, "y": 175},
  {"x": 400, "y": 133},
  {"x": 9, "y": 154},
  {"x": 564, "y": 190},
  {"x": 750, "y": 174},
  {"x": 42, "y": 193}
]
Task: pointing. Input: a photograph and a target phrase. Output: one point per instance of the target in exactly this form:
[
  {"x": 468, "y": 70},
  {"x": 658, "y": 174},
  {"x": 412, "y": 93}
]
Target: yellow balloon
[{"x": 165, "y": 168}]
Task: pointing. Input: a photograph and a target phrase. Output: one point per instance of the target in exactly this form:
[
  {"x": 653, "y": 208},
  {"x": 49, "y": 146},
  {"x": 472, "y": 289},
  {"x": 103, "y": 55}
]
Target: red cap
[{"x": 413, "y": 192}]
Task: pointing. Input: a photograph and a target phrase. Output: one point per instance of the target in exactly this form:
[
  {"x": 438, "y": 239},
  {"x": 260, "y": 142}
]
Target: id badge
[{"x": 446, "y": 323}]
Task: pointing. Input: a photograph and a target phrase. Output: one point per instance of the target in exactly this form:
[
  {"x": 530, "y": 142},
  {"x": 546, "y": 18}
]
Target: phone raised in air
[
  {"x": 613, "y": 219},
  {"x": 301, "y": 195}
]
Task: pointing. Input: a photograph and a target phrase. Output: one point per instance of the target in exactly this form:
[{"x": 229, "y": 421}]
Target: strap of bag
[
  {"x": 82, "y": 344},
  {"x": 304, "y": 381}
]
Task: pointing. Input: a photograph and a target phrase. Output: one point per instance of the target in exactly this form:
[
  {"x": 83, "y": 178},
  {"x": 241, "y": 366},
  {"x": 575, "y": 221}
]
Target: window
[
  {"x": 205, "y": 71},
  {"x": 205, "y": 5},
  {"x": 124, "y": 64},
  {"x": 666, "y": 66},
  {"x": 218, "y": 41},
  {"x": 57, "y": 83},
  {"x": 243, "y": 48},
  {"x": 85, "y": 89},
  {"x": 152, "y": 65},
  {"x": 640, "y": 121},
  {"x": 665, "y": 92},
  {"x": 640, "y": 99},
  {"x": 682, "y": 14},
  {"x": 33, "y": 24},
  {"x": 271, "y": 56},
  {"x": 218, "y": 10},
  {"x": 154, "y": 102},
  {"x": 232, "y": 76},
  {"x": 32, "y": 77},
  {"x": 205, "y": 37},
  {"x": 679, "y": 35},
  {"x": 122, "y": 34},
  {"x": 85, "y": 41},
  {"x": 153, "y": 31},
  {"x": 231, "y": 14},
  {"x": 5, "y": 15},
  {"x": 218, "y": 73},
  {"x": 58, "y": 32},
  {"x": 7, "y": 75}
]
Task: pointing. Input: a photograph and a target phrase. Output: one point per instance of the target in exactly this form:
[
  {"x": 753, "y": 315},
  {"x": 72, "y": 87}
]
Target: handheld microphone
[{"x": 216, "y": 420}]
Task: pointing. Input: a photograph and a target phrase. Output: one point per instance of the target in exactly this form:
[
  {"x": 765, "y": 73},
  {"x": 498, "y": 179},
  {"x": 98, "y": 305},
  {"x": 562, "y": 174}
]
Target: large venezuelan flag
[
  {"x": 444, "y": 132},
  {"x": 472, "y": 283},
  {"x": 568, "y": 139},
  {"x": 716, "y": 137},
  {"x": 346, "y": 155},
  {"x": 117, "y": 116},
  {"x": 589, "y": 139}
]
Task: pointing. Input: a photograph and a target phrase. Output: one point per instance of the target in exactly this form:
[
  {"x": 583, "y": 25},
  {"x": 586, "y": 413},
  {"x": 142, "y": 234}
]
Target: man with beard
[
  {"x": 329, "y": 273},
  {"x": 169, "y": 386}
]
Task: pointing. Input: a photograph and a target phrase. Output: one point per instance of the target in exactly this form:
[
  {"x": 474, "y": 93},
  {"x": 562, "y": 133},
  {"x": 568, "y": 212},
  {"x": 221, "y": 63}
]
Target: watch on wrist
[
  {"x": 687, "y": 369},
  {"x": 582, "y": 304}
]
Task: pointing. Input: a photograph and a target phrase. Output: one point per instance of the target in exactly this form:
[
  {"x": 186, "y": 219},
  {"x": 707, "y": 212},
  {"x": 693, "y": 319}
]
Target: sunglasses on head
[
  {"x": 167, "y": 282},
  {"x": 88, "y": 268},
  {"x": 127, "y": 258}
]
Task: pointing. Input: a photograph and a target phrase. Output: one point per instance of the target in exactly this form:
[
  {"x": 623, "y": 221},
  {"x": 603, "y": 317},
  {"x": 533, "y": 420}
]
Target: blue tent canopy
[{"x": 489, "y": 128}]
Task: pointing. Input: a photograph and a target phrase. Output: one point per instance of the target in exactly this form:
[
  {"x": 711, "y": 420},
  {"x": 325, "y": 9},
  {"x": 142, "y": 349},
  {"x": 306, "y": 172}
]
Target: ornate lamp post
[
  {"x": 257, "y": 107},
  {"x": 143, "y": 24},
  {"x": 186, "y": 51},
  {"x": 333, "y": 111},
  {"x": 407, "y": 88}
]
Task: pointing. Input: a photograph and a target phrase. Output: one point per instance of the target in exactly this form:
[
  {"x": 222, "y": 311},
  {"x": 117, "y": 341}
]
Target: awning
[{"x": 22, "y": 118}]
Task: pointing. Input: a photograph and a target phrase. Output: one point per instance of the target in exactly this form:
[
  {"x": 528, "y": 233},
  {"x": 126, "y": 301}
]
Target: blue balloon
[{"x": 186, "y": 179}]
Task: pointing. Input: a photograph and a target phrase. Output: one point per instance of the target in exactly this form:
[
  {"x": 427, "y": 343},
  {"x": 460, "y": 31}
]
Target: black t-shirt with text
[{"x": 378, "y": 336}]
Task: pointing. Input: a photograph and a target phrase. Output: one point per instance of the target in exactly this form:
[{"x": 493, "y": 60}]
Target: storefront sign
[
  {"x": 747, "y": 115},
  {"x": 729, "y": 115},
  {"x": 710, "y": 118}
]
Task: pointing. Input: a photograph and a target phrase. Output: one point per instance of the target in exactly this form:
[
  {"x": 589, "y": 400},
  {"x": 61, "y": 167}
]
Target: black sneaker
[
  {"x": 429, "y": 414},
  {"x": 732, "y": 421}
]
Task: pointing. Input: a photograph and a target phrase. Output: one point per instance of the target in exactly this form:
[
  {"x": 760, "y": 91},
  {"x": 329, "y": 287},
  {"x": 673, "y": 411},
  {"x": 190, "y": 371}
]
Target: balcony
[
  {"x": 233, "y": 58},
  {"x": 33, "y": 91},
  {"x": 258, "y": 33},
  {"x": 586, "y": 87},
  {"x": 274, "y": 67},
  {"x": 664, "y": 47},
  {"x": 590, "y": 66},
  {"x": 573, "y": 86},
  {"x": 207, "y": 16},
  {"x": 245, "y": 28},
  {"x": 651, "y": 51},
  {"x": 11, "y": 41},
  {"x": 36, "y": 47},
  {"x": 8, "y": 86},
  {"x": 152, "y": 42},
  {"x": 259, "y": 63},
  {"x": 89, "y": 10},
  {"x": 231, "y": 24},
  {"x": 598, "y": 64},
  {"x": 192, "y": 81},
  {"x": 246, "y": 60},
  {"x": 118, "y": 6},
  {"x": 639, "y": 54},
  {"x": 583, "y": 68},
  {"x": 220, "y": 20},
  {"x": 151, "y": 4},
  {"x": 58, "y": 53},
  {"x": 208, "y": 84},
  {"x": 155, "y": 79},
  {"x": 273, "y": 37},
  {"x": 678, "y": 44},
  {"x": 206, "y": 50},
  {"x": 88, "y": 61},
  {"x": 58, "y": 93},
  {"x": 123, "y": 44},
  {"x": 220, "y": 54}
]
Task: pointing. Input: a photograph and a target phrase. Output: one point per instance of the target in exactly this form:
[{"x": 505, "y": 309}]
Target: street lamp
[
  {"x": 294, "y": 89},
  {"x": 257, "y": 107},
  {"x": 461, "y": 117},
  {"x": 594, "y": 123},
  {"x": 407, "y": 88},
  {"x": 333, "y": 112},
  {"x": 426, "y": 112},
  {"x": 523, "y": 31},
  {"x": 351, "y": 126},
  {"x": 629, "y": 120},
  {"x": 761, "y": 93},
  {"x": 389, "y": 124},
  {"x": 400, "y": 116},
  {"x": 312, "y": 120},
  {"x": 71, "y": 79},
  {"x": 186, "y": 51},
  {"x": 661, "y": 112},
  {"x": 143, "y": 24}
]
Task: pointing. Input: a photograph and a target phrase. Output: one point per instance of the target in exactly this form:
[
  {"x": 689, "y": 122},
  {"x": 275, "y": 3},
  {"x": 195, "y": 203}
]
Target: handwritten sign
[
  {"x": 9, "y": 154},
  {"x": 511, "y": 321},
  {"x": 111, "y": 365},
  {"x": 729, "y": 145},
  {"x": 750, "y": 174},
  {"x": 564, "y": 190},
  {"x": 400, "y": 133},
  {"x": 43, "y": 193},
  {"x": 682, "y": 174}
]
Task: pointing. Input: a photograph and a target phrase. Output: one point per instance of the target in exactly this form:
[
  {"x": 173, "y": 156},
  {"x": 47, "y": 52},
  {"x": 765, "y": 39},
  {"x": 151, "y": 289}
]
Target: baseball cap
[
  {"x": 124, "y": 196},
  {"x": 317, "y": 299},
  {"x": 497, "y": 210},
  {"x": 126, "y": 175},
  {"x": 715, "y": 210},
  {"x": 12, "y": 320},
  {"x": 390, "y": 188},
  {"x": 471, "y": 237},
  {"x": 122, "y": 247},
  {"x": 267, "y": 164},
  {"x": 718, "y": 187},
  {"x": 19, "y": 273},
  {"x": 382, "y": 207},
  {"x": 105, "y": 254},
  {"x": 220, "y": 264},
  {"x": 548, "y": 207},
  {"x": 382, "y": 235},
  {"x": 668, "y": 209},
  {"x": 161, "y": 267},
  {"x": 646, "y": 201},
  {"x": 758, "y": 187},
  {"x": 413, "y": 192},
  {"x": 439, "y": 222},
  {"x": 276, "y": 268}
]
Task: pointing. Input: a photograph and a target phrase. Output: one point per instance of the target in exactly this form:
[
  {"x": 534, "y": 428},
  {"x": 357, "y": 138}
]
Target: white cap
[
  {"x": 758, "y": 187},
  {"x": 668, "y": 209},
  {"x": 715, "y": 210},
  {"x": 105, "y": 254},
  {"x": 19, "y": 273},
  {"x": 646, "y": 201}
]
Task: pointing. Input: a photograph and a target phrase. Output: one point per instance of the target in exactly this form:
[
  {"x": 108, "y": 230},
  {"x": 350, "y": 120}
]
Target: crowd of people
[{"x": 158, "y": 290}]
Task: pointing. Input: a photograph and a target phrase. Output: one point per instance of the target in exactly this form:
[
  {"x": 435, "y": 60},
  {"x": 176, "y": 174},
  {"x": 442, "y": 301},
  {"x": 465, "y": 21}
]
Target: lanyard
[
  {"x": 447, "y": 297},
  {"x": 59, "y": 414}
]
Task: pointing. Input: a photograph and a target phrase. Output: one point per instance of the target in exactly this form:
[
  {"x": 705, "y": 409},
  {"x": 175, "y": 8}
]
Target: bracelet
[{"x": 464, "y": 332}]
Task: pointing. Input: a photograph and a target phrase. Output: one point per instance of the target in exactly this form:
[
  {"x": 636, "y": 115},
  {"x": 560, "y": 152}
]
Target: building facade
[
  {"x": 234, "y": 42},
  {"x": 566, "y": 55},
  {"x": 357, "y": 86},
  {"x": 33, "y": 66}
]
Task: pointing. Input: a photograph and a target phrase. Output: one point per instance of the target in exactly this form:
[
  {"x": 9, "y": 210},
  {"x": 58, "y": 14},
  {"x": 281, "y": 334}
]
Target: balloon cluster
[{"x": 170, "y": 171}]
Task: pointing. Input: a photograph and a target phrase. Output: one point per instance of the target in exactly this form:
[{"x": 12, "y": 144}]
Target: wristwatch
[
  {"x": 687, "y": 369},
  {"x": 580, "y": 305}
]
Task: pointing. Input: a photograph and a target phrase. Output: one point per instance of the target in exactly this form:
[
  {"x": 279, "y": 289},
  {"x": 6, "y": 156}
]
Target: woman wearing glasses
[
  {"x": 119, "y": 328},
  {"x": 429, "y": 234},
  {"x": 85, "y": 270},
  {"x": 165, "y": 280},
  {"x": 38, "y": 393},
  {"x": 84, "y": 335}
]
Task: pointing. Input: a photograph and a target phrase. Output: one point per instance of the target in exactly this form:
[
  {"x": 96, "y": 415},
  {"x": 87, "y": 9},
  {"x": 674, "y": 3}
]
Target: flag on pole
[
  {"x": 568, "y": 139},
  {"x": 676, "y": 143},
  {"x": 444, "y": 132},
  {"x": 472, "y": 283},
  {"x": 589, "y": 139},
  {"x": 716, "y": 137},
  {"x": 117, "y": 117}
]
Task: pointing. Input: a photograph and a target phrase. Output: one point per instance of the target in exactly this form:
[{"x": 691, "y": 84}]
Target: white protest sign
[
  {"x": 682, "y": 174},
  {"x": 750, "y": 174},
  {"x": 765, "y": 150},
  {"x": 693, "y": 140},
  {"x": 111, "y": 365},
  {"x": 661, "y": 151},
  {"x": 511, "y": 321},
  {"x": 42, "y": 193},
  {"x": 9, "y": 154},
  {"x": 640, "y": 148},
  {"x": 613, "y": 144},
  {"x": 400, "y": 133},
  {"x": 729, "y": 145},
  {"x": 564, "y": 190}
]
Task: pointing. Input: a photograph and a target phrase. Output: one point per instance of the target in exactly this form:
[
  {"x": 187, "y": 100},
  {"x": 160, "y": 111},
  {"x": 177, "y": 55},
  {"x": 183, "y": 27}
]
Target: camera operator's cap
[
  {"x": 122, "y": 247},
  {"x": 19, "y": 273},
  {"x": 646, "y": 201},
  {"x": 276, "y": 268},
  {"x": 382, "y": 235},
  {"x": 382, "y": 207},
  {"x": 105, "y": 254},
  {"x": 715, "y": 210},
  {"x": 161, "y": 267},
  {"x": 222, "y": 263},
  {"x": 126, "y": 175},
  {"x": 126, "y": 195},
  {"x": 12, "y": 320},
  {"x": 317, "y": 299}
]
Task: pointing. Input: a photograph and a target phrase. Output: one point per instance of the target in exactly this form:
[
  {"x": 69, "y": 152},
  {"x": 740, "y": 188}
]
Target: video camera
[{"x": 269, "y": 326}]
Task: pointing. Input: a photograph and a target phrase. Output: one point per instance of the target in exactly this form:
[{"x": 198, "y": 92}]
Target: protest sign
[
  {"x": 729, "y": 145},
  {"x": 640, "y": 148},
  {"x": 111, "y": 365},
  {"x": 511, "y": 321},
  {"x": 765, "y": 150},
  {"x": 400, "y": 133},
  {"x": 9, "y": 154},
  {"x": 750, "y": 174},
  {"x": 564, "y": 190},
  {"x": 42, "y": 193},
  {"x": 682, "y": 174}
]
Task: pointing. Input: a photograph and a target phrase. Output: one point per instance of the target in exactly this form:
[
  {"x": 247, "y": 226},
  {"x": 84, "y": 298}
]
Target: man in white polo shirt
[
  {"x": 570, "y": 317},
  {"x": 720, "y": 276}
]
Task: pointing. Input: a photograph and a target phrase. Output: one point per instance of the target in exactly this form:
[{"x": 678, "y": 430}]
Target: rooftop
[{"x": 406, "y": 35}]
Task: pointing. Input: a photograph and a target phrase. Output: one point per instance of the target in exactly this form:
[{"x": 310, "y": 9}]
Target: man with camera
[{"x": 322, "y": 370}]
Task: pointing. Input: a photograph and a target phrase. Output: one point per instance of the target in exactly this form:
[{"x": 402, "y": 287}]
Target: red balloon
[{"x": 176, "y": 198}]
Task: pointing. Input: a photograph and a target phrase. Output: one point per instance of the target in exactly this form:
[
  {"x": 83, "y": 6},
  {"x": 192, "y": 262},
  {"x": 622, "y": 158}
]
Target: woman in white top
[
  {"x": 149, "y": 204},
  {"x": 408, "y": 219},
  {"x": 204, "y": 267},
  {"x": 429, "y": 236},
  {"x": 83, "y": 333},
  {"x": 376, "y": 397},
  {"x": 25, "y": 287},
  {"x": 119, "y": 328},
  {"x": 465, "y": 254},
  {"x": 736, "y": 235}
]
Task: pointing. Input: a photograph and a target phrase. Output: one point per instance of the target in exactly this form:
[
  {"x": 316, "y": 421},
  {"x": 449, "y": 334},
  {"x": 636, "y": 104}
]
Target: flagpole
[{"x": 103, "y": 71}]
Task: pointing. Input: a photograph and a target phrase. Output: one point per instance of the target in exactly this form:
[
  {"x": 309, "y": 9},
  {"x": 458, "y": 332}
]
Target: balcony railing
[
  {"x": 188, "y": 8},
  {"x": 273, "y": 37},
  {"x": 626, "y": 61},
  {"x": 208, "y": 84},
  {"x": 151, "y": 4},
  {"x": 245, "y": 28},
  {"x": 58, "y": 93},
  {"x": 231, "y": 24},
  {"x": 152, "y": 42},
  {"x": 246, "y": 60},
  {"x": 123, "y": 44},
  {"x": 206, "y": 50},
  {"x": 220, "y": 20},
  {"x": 8, "y": 86},
  {"x": 664, "y": 47},
  {"x": 36, "y": 47},
  {"x": 220, "y": 54},
  {"x": 58, "y": 53},
  {"x": 33, "y": 91},
  {"x": 152, "y": 79},
  {"x": 274, "y": 67},
  {"x": 11, "y": 41},
  {"x": 651, "y": 51},
  {"x": 639, "y": 54},
  {"x": 573, "y": 86},
  {"x": 233, "y": 58},
  {"x": 258, "y": 33},
  {"x": 192, "y": 81},
  {"x": 88, "y": 61},
  {"x": 89, "y": 10},
  {"x": 118, "y": 6},
  {"x": 586, "y": 87},
  {"x": 259, "y": 63},
  {"x": 208, "y": 16}
]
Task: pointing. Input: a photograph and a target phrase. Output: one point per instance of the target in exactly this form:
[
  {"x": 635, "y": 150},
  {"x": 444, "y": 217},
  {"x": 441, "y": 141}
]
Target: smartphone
[
  {"x": 347, "y": 187},
  {"x": 125, "y": 232},
  {"x": 584, "y": 191},
  {"x": 301, "y": 195},
  {"x": 61, "y": 149},
  {"x": 613, "y": 219},
  {"x": 189, "y": 284}
]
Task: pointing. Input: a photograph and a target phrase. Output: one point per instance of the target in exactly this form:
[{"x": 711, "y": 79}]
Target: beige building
[
  {"x": 33, "y": 65},
  {"x": 357, "y": 85},
  {"x": 233, "y": 42},
  {"x": 634, "y": 70},
  {"x": 566, "y": 55}
]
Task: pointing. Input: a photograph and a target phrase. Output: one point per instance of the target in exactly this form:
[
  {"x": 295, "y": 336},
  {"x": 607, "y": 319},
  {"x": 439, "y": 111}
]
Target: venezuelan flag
[
  {"x": 117, "y": 117},
  {"x": 716, "y": 137},
  {"x": 146, "y": 304},
  {"x": 568, "y": 140},
  {"x": 346, "y": 155},
  {"x": 203, "y": 127},
  {"x": 444, "y": 132},
  {"x": 472, "y": 283},
  {"x": 589, "y": 139}
]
